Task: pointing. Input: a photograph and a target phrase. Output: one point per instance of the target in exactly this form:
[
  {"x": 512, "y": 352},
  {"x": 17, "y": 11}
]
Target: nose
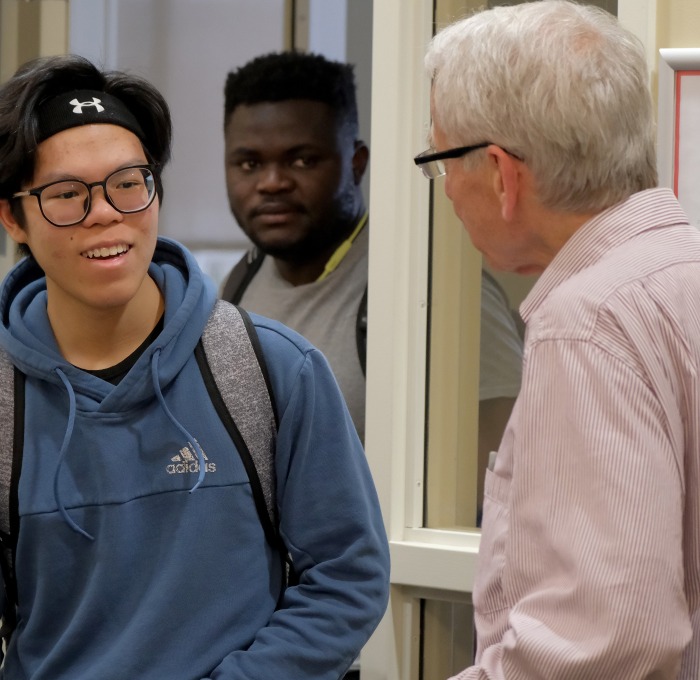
[
  {"x": 274, "y": 179},
  {"x": 101, "y": 211}
]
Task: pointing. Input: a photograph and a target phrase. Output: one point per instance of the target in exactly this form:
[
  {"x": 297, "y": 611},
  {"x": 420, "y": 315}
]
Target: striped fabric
[{"x": 590, "y": 556}]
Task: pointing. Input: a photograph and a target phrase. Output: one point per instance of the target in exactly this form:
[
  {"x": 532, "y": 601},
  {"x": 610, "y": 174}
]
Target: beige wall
[
  {"x": 678, "y": 23},
  {"x": 28, "y": 30},
  {"x": 31, "y": 29}
]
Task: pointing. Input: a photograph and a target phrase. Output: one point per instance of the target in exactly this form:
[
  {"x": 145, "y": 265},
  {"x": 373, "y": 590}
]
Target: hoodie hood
[{"x": 27, "y": 337}]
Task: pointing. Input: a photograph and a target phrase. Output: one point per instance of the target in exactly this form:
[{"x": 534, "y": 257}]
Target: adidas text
[{"x": 182, "y": 468}]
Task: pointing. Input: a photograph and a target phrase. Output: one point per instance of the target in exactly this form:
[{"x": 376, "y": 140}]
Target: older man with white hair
[{"x": 590, "y": 555}]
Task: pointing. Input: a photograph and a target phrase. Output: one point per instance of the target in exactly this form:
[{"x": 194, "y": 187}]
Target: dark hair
[
  {"x": 280, "y": 76},
  {"x": 41, "y": 79}
]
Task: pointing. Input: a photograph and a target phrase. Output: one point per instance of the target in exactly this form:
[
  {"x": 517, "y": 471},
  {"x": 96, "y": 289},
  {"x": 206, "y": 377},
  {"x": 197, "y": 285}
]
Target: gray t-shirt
[
  {"x": 325, "y": 313},
  {"x": 500, "y": 363}
]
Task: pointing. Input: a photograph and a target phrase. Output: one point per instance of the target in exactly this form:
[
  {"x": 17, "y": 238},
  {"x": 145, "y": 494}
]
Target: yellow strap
[{"x": 342, "y": 250}]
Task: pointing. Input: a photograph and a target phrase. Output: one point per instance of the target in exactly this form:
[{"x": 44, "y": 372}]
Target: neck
[
  {"x": 96, "y": 338},
  {"x": 562, "y": 227},
  {"x": 299, "y": 273},
  {"x": 323, "y": 264},
  {"x": 540, "y": 232}
]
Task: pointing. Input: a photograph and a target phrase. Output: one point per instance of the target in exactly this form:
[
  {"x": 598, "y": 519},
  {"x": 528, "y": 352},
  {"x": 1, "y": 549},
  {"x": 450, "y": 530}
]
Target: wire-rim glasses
[{"x": 67, "y": 202}]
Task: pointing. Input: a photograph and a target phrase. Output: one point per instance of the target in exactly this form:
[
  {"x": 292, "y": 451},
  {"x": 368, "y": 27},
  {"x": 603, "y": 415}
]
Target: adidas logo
[{"x": 186, "y": 461}]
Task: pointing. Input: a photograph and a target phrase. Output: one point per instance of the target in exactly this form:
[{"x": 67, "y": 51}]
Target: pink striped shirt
[{"x": 589, "y": 565}]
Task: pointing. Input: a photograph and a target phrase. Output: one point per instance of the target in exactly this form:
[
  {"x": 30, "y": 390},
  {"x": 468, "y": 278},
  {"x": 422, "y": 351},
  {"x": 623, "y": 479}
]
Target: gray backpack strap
[
  {"x": 12, "y": 433},
  {"x": 7, "y": 430},
  {"x": 235, "y": 367}
]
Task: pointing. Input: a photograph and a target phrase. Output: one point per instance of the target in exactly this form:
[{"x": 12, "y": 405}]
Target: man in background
[
  {"x": 294, "y": 164},
  {"x": 589, "y": 562}
]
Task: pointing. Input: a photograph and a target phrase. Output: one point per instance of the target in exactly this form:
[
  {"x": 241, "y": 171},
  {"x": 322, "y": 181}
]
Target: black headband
[{"x": 84, "y": 107}]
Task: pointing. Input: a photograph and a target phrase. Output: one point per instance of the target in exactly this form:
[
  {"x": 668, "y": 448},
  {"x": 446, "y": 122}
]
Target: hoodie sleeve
[{"x": 331, "y": 523}]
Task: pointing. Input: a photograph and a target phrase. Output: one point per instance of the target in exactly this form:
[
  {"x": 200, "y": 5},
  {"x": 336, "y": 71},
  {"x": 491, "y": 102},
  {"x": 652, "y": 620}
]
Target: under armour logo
[{"x": 78, "y": 106}]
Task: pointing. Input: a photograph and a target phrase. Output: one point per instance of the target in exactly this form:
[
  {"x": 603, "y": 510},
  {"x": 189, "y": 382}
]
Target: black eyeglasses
[
  {"x": 431, "y": 161},
  {"x": 67, "y": 202}
]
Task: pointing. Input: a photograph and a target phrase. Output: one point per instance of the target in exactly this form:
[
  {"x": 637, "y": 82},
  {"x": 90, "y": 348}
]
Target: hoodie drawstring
[
  {"x": 62, "y": 454},
  {"x": 69, "y": 433},
  {"x": 189, "y": 438}
]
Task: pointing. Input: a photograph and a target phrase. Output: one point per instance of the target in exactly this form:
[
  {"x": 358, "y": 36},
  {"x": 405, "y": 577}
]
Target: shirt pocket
[{"x": 488, "y": 595}]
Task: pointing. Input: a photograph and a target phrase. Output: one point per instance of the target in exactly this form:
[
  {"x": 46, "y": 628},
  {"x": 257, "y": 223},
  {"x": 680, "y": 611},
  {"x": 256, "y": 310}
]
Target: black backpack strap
[
  {"x": 241, "y": 275},
  {"x": 361, "y": 332},
  {"x": 247, "y": 267},
  {"x": 235, "y": 374},
  {"x": 12, "y": 432}
]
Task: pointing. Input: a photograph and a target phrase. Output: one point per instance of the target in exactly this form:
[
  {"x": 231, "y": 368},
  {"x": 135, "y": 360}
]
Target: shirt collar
[{"x": 649, "y": 209}]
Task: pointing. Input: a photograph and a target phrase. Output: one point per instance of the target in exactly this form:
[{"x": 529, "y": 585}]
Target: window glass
[{"x": 448, "y": 636}]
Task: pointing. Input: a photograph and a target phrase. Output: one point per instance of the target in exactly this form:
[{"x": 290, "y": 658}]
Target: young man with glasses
[
  {"x": 589, "y": 562},
  {"x": 139, "y": 549}
]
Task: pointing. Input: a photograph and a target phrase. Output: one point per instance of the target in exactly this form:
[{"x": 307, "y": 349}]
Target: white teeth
[{"x": 106, "y": 252}]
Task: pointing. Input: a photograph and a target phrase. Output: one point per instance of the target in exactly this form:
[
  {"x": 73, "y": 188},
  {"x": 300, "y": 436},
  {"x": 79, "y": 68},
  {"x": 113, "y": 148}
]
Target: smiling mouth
[{"x": 105, "y": 253}]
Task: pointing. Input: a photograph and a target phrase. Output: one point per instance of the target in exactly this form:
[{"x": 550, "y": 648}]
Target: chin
[
  {"x": 116, "y": 297},
  {"x": 490, "y": 261},
  {"x": 283, "y": 250}
]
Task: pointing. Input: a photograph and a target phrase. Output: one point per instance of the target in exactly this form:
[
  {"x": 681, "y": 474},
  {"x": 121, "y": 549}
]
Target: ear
[
  {"x": 507, "y": 180},
  {"x": 360, "y": 158},
  {"x": 10, "y": 224}
]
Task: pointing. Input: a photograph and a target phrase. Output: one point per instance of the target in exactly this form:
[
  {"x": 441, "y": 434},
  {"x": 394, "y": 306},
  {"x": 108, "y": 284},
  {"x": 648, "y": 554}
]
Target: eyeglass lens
[
  {"x": 68, "y": 202},
  {"x": 433, "y": 169}
]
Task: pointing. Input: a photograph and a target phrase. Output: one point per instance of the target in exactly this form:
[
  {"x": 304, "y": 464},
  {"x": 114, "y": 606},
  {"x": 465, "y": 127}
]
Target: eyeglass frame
[
  {"x": 457, "y": 152},
  {"x": 36, "y": 192}
]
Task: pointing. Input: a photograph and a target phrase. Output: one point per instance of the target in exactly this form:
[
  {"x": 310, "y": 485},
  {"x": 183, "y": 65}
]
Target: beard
[{"x": 310, "y": 237}]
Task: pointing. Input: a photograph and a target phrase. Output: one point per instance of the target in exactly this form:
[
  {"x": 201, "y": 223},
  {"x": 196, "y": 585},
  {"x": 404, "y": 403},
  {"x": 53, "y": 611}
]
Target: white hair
[{"x": 559, "y": 84}]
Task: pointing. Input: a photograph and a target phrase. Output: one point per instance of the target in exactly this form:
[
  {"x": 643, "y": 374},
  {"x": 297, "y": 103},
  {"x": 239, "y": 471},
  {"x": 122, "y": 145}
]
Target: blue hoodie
[{"x": 123, "y": 572}]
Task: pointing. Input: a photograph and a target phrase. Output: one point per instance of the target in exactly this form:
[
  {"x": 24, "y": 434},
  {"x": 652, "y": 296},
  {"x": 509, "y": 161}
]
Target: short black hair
[
  {"x": 281, "y": 76},
  {"x": 39, "y": 80}
]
